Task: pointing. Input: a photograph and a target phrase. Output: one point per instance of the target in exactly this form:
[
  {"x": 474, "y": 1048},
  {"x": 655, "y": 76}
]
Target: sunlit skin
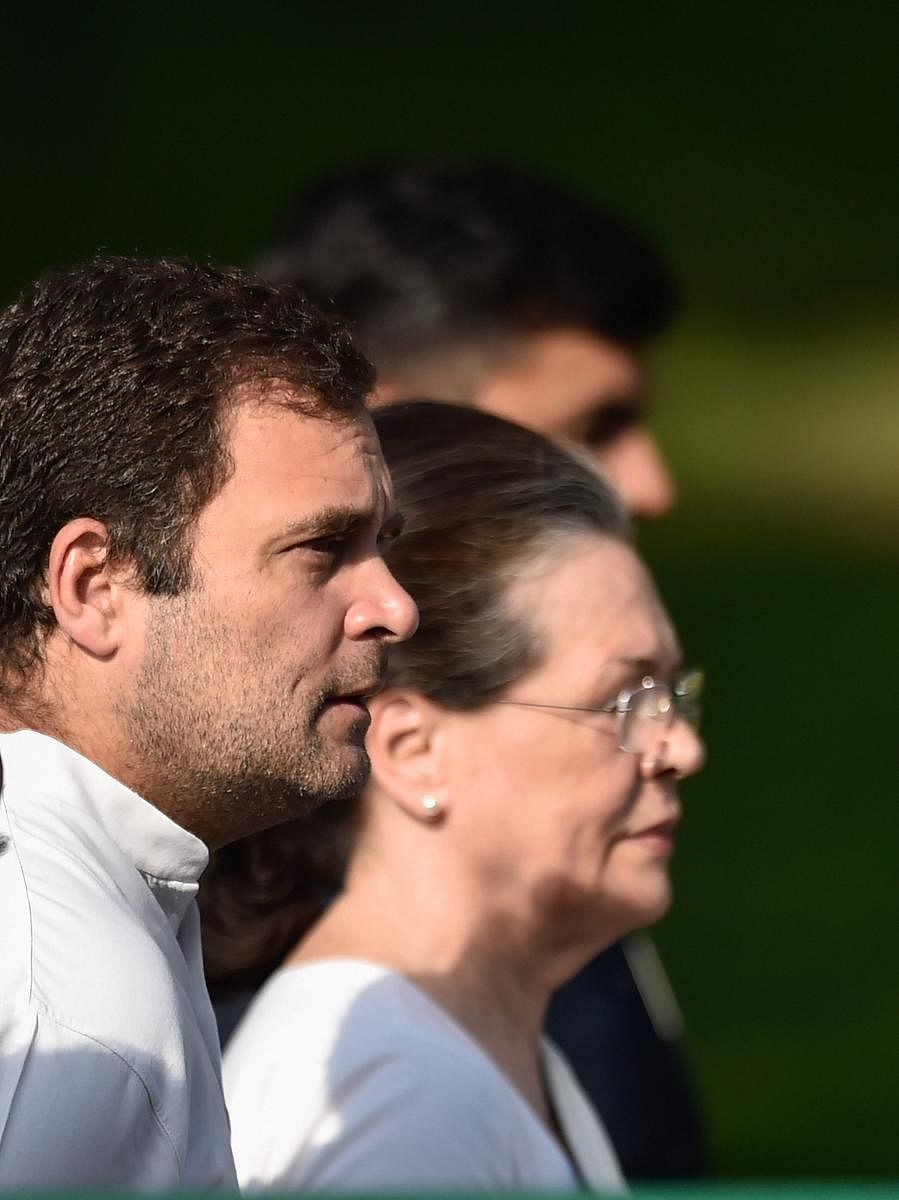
[
  {"x": 569, "y": 384},
  {"x": 551, "y": 842},
  {"x": 577, "y": 387},
  {"x": 243, "y": 699},
  {"x": 582, "y": 854}
]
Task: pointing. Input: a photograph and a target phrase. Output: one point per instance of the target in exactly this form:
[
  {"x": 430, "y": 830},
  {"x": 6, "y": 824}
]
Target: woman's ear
[
  {"x": 83, "y": 591},
  {"x": 407, "y": 747}
]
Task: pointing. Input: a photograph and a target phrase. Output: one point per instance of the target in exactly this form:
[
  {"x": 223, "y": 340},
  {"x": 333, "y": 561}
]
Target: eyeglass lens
[
  {"x": 652, "y": 710},
  {"x": 646, "y": 720}
]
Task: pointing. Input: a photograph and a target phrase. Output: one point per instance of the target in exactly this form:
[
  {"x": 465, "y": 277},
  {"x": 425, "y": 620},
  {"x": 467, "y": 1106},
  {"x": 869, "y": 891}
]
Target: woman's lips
[{"x": 658, "y": 838}]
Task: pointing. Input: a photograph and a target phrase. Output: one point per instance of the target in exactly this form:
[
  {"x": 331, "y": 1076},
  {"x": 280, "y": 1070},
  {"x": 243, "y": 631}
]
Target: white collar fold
[{"x": 170, "y": 858}]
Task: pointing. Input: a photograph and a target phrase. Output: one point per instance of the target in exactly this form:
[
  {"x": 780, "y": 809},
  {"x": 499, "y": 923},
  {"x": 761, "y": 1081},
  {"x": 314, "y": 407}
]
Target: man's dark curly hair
[
  {"x": 429, "y": 255},
  {"x": 115, "y": 379}
]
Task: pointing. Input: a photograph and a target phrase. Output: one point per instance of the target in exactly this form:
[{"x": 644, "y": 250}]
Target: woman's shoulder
[
  {"x": 348, "y": 1013},
  {"x": 341, "y": 1072}
]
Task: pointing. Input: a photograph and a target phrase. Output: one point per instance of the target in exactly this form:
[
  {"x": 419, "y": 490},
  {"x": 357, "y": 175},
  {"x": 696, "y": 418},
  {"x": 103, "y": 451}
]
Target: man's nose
[
  {"x": 382, "y": 609},
  {"x": 634, "y": 466}
]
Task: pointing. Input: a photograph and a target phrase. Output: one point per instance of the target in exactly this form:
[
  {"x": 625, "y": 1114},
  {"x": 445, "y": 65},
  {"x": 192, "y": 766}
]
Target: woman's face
[{"x": 566, "y": 830}]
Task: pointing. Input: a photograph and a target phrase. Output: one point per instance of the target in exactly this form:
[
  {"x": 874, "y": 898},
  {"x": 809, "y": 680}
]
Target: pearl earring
[{"x": 431, "y": 805}]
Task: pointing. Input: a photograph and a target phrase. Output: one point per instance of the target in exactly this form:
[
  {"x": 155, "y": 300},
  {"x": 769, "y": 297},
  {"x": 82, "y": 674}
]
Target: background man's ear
[
  {"x": 406, "y": 744},
  {"x": 82, "y": 589}
]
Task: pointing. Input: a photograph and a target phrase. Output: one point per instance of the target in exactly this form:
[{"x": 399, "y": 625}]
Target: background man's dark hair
[
  {"x": 114, "y": 380},
  {"x": 426, "y": 256}
]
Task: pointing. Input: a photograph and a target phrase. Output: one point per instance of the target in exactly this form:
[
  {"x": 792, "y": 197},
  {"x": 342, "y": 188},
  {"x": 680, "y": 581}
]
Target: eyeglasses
[{"x": 645, "y": 712}]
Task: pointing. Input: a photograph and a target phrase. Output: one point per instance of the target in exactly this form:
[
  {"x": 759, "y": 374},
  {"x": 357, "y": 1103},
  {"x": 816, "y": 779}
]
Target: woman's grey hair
[{"x": 487, "y": 504}]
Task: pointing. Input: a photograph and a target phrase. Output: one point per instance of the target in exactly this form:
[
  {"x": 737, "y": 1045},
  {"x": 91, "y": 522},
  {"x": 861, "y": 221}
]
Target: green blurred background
[{"x": 759, "y": 146}]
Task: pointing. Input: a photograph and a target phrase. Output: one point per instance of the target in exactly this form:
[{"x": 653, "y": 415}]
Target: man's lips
[{"x": 358, "y": 695}]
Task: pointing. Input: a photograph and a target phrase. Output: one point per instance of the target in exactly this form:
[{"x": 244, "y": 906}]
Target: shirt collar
[{"x": 171, "y": 859}]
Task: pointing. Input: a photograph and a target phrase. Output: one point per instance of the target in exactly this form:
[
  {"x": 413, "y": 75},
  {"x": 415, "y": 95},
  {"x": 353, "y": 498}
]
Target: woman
[{"x": 520, "y": 816}]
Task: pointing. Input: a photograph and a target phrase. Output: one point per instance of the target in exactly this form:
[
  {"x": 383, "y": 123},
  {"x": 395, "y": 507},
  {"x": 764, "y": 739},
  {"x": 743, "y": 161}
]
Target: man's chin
[
  {"x": 344, "y": 720},
  {"x": 343, "y": 765},
  {"x": 266, "y": 800},
  {"x": 348, "y": 770}
]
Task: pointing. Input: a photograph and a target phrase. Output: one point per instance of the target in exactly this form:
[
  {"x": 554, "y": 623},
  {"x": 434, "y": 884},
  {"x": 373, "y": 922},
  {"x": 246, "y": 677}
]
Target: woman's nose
[
  {"x": 685, "y": 750},
  {"x": 682, "y": 751}
]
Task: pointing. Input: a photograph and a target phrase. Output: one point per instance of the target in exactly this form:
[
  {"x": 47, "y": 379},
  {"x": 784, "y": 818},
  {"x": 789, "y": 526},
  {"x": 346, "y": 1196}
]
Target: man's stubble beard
[{"x": 212, "y": 748}]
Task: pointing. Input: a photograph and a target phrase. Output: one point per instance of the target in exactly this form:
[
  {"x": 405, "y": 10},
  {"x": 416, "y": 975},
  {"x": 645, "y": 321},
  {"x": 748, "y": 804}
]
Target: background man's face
[
  {"x": 252, "y": 682},
  {"x": 575, "y": 386}
]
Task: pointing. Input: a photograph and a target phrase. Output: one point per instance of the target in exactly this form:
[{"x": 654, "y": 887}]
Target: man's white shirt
[{"x": 109, "y": 1058}]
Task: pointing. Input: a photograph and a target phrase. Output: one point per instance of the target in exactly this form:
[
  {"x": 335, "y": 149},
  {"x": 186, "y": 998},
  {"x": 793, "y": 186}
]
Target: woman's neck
[{"x": 475, "y": 964}]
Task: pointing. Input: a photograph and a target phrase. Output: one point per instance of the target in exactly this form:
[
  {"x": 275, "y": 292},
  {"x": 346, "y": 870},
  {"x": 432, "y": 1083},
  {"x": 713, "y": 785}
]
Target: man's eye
[
  {"x": 609, "y": 422},
  {"x": 331, "y": 547}
]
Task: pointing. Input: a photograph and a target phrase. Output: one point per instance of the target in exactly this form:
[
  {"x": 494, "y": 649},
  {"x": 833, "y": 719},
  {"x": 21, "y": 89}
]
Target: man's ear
[
  {"x": 407, "y": 747},
  {"x": 82, "y": 589}
]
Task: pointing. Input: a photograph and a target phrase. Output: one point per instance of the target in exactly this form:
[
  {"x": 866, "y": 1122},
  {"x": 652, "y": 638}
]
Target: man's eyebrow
[
  {"x": 336, "y": 520},
  {"x": 332, "y": 519},
  {"x": 631, "y": 398}
]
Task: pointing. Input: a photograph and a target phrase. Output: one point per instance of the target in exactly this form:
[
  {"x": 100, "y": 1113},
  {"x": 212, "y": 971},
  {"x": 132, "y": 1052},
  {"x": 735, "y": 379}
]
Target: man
[
  {"x": 193, "y": 610},
  {"x": 487, "y": 285}
]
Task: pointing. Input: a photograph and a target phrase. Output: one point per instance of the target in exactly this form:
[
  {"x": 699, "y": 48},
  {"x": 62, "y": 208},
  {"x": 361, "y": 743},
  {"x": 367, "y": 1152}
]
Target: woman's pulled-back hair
[{"x": 485, "y": 502}]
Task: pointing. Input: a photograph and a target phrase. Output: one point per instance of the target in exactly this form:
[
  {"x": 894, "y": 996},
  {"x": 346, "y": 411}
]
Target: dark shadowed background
[{"x": 759, "y": 146}]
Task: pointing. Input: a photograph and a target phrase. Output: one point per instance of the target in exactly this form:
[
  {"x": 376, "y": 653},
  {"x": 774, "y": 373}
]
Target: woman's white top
[{"x": 344, "y": 1076}]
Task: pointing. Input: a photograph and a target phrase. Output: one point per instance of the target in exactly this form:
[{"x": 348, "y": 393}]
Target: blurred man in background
[
  {"x": 489, "y": 286},
  {"x": 486, "y": 285}
]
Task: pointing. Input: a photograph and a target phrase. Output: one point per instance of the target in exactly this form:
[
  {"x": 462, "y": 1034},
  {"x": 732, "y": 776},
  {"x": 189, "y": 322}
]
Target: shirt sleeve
[
  {"x": 395, "y": 1122},
  {"x": 74, "y": 1115}
]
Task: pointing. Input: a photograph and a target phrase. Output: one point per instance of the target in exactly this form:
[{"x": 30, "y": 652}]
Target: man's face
[
  {"x": 577, "y": 387},
  {"x": 252, "y": 684}
]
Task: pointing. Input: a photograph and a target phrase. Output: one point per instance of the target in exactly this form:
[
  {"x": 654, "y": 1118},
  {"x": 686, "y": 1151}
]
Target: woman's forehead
[{"x": 596, "y": 604}]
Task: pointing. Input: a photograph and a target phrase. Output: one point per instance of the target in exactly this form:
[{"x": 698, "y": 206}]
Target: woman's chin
[{"x": 645, "y": 906}]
